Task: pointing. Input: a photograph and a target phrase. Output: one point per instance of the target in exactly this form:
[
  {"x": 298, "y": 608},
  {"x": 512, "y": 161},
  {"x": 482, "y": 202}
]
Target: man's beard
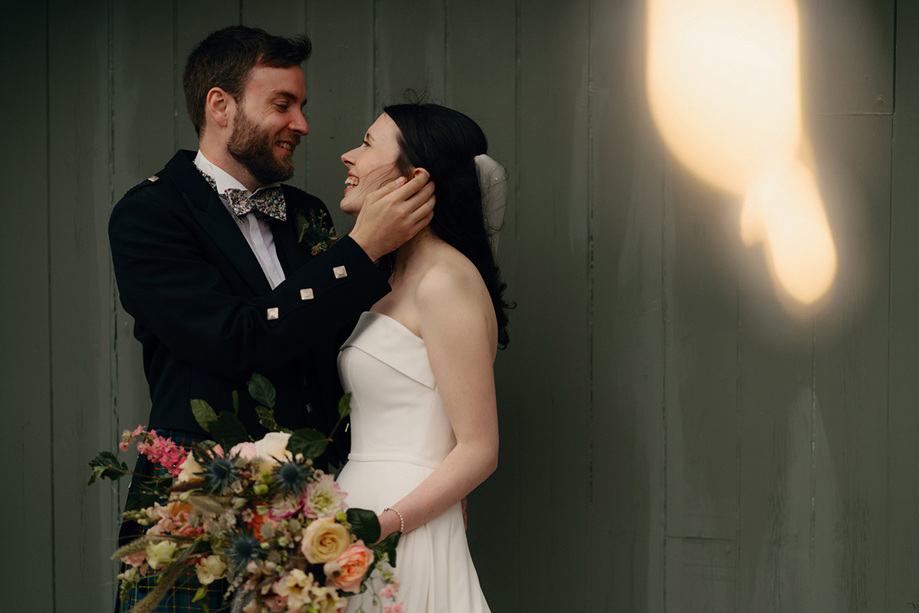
[{"x": 254, "y": 149}]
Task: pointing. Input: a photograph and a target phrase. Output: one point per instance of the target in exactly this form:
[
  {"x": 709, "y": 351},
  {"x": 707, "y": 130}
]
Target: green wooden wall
[{"x": 672, "y": 438}]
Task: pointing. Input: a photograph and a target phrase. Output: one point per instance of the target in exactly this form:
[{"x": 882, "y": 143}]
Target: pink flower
[
  {"x": 135, "y": 559},
  {"x": 161, "y": 450},
  {"x": 323, "y": 498},
  {"x": 395, "y": 608},
  {"x": 245, "y": 450},
  {"x": 284, "y": 507},
  {"x": 275, "y": 604},
  {"x": 388, "y": 592},
  {"x": 352, "y": 566}
]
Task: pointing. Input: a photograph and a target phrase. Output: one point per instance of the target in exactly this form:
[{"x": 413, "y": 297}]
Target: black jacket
[{"x": 207, "y": 317}]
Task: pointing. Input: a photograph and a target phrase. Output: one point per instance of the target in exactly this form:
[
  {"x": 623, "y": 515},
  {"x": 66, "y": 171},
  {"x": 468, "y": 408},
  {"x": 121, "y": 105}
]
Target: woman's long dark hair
[{"x": 445, "y": 142}]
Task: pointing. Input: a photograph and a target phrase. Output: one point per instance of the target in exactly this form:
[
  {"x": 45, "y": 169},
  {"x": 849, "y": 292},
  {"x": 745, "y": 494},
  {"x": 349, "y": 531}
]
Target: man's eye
[
  {"x": 282, "y": 107},
  {"x": 365, "y": 143}
]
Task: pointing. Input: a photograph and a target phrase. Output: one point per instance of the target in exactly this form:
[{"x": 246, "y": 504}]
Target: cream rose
[
  {"x": 327, "y": 600},
  {"x": 210, "y": 569},
  {"x": 189, "y": 469},
  {"x": 273, "y": 447},
  {"x": 160, "y": 553},
  {"x": 324, "y": 540},
  {"x": 347, "y": 571},
  {"x": 295, "y": 586}
]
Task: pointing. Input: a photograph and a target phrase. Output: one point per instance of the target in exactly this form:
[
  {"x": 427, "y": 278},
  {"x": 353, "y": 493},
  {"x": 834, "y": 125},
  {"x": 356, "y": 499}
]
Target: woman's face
[{"x": 372, "y": 164}]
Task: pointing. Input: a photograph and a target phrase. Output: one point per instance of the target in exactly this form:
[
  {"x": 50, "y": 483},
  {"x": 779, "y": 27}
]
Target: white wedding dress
[{"x": 400, "y": 433}]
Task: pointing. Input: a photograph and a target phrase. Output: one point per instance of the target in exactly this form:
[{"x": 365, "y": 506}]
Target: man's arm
[
  {"x": 393, "y": 214},
  {"x": 177, "y": 284}
]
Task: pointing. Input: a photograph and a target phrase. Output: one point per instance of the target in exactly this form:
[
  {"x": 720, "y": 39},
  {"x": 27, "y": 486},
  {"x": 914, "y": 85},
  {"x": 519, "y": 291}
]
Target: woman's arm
[{"x": 456, "y": 320}]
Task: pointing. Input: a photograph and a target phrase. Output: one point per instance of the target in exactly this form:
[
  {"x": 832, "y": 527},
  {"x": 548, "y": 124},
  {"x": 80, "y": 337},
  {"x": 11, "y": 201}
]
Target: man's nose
[{"x": 299, "y": 124}]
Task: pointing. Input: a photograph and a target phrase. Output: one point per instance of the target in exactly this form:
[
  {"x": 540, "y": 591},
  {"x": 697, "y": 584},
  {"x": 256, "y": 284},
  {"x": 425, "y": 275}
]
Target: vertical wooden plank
[
  {"x": 627, "y": 454},
  {"x": 776, "y": 465},
  {"x": 278, "y": 17},
  {"x": 480, "y": 81},
  {"x": 480, "y": 70},
  {"x": 851, "y": 369},
  {"x": 409, "y": 51},
  {"x": 548, "y": 257},
  {"x": 853, "y": 55},
  {"x": 194, "y": 20},
  {"x": 340, "y": 86},
  {"x": 142, "y": 119},
  {"x": 81, "y": 295},
  {"x": 903, "y": 424},
  {"x": 700, "y": 396},
  {"x": 25, "y": 360}
]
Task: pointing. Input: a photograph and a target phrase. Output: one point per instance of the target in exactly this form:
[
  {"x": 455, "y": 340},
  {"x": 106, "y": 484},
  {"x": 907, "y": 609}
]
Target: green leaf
[
  {"x": 201, "y": 593},
  {"x": 235, "y": 395},
  {"x": 228, "y": 430},
  {"x": 262, "y": 390},
  {"x": 266, "y": 417},
  {"x": 106, "y": 466},
  {"x": 388, "y": 546},
  {"x": 344, "y": 406},
  {"x": 311, "y": 443},
  {"x": 364, "y": 524},
  {"x": 203, "y": 413}
]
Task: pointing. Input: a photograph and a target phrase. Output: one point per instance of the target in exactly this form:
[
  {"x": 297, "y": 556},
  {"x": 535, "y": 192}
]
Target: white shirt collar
[{"x": 222, "y": 178}]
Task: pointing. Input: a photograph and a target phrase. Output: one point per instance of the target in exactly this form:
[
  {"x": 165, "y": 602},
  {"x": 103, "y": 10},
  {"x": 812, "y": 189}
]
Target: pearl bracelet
[{"x": 401, "y": 519}]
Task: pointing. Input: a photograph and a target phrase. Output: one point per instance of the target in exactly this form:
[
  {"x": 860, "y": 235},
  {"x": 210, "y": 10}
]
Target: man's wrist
[{"x": 365, "y": 246}]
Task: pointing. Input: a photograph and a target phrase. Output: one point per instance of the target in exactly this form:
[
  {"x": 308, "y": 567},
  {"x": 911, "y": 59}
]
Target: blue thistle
[
  {"x": 291, "y": 478},
  {"x": 241, "y": 549},
  {"x": 220, "y": 474}
]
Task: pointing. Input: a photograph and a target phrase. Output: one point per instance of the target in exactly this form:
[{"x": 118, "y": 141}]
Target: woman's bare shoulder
[{"x": 449, "y": 275}]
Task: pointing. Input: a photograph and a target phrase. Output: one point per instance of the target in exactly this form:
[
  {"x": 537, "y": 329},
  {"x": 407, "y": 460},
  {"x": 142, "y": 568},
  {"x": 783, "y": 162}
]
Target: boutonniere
[{"x": 315, "y": 231}]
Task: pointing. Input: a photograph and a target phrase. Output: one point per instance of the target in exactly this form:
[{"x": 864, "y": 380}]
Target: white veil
[{"x": 493, "y": 183}]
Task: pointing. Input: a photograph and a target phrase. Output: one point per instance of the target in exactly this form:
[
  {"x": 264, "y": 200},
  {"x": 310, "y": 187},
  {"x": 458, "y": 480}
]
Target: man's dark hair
[{"x": 226, "y": 57}]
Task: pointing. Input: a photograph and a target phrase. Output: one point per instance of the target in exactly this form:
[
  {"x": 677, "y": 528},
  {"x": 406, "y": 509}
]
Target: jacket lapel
[
  {"x": 287, "y": 244},
  {"x": 216, "y": 221}
]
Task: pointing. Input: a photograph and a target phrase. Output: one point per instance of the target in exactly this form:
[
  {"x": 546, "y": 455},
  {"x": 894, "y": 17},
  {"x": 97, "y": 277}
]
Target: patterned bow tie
[{"x": 269, "y": 201}]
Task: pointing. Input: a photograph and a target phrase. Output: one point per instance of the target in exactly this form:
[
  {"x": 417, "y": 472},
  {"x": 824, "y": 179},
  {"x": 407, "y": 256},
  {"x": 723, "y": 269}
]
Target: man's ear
[{"x": 218, "y": 106}]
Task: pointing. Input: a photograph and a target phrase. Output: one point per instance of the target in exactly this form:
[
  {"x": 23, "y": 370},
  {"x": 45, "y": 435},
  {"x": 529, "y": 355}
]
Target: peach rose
[
  {"x": 324, "y": 540},
  {"x": 348, "y": 570}
]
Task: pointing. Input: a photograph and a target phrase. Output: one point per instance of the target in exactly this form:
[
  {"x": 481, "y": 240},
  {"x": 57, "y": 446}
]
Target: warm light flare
[
  {"x": 785, "y": 212},
  {"x": 723, "y": 85},
  {"x": 724, "y": 91}
]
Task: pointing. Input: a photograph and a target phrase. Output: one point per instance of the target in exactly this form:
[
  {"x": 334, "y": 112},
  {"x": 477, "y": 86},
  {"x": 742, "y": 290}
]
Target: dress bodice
[{"x": 396, "y": 410}]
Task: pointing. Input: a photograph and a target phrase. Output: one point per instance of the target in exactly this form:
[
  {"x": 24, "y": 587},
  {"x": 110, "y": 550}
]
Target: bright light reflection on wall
[{"x": 724, "y": 90}]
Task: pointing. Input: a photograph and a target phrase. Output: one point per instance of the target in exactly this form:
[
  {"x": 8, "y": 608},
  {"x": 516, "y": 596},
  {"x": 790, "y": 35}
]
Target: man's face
[{"x": 269, "y": 123}]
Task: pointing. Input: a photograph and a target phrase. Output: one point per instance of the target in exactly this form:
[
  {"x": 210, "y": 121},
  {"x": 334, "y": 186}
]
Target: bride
[{"x": 419, "y": 365}]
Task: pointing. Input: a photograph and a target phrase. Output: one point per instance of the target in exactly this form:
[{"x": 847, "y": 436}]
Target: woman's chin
[{"x": 349, "y": 208}]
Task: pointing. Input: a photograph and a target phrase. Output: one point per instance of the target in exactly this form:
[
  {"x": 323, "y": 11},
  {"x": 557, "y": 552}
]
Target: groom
[{"x": 226, "y": 271}]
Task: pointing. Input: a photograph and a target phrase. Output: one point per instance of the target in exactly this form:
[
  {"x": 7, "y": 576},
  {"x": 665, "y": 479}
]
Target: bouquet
[{"x": 258, "y": 514}]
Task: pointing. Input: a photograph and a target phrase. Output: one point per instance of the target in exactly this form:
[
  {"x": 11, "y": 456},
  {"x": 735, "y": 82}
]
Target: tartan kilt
[{"x": 179, "y": 598}]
